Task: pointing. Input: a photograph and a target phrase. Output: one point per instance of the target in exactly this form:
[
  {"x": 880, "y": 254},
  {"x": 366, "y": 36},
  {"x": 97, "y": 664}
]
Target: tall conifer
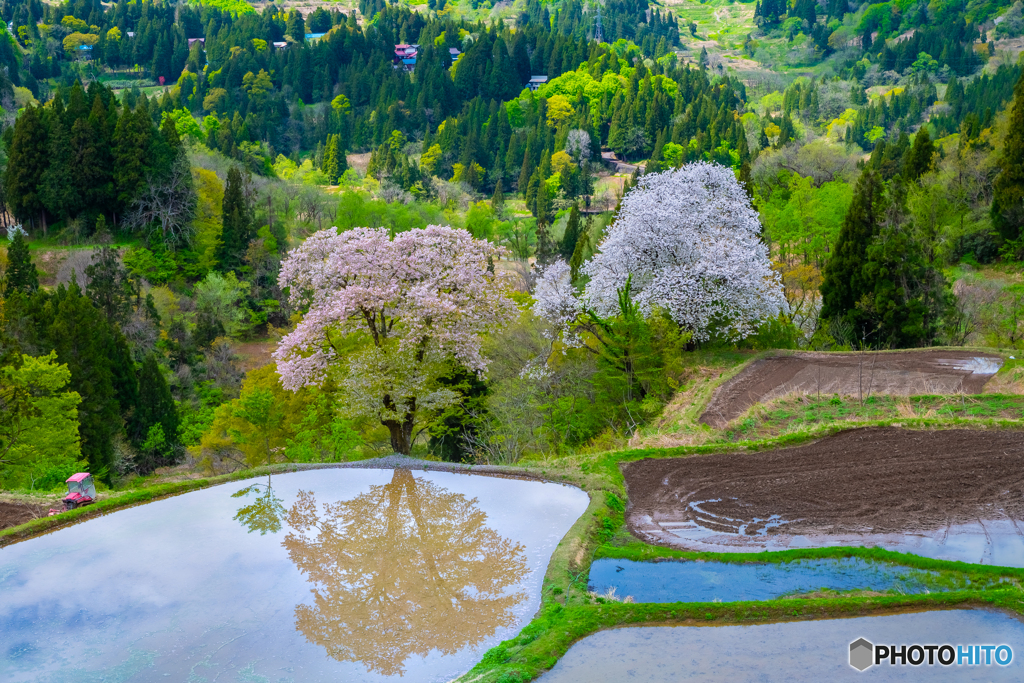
[
  {"x": 235, "y": 233},
  {"x": 21, "y": 272},
  {"x": 844, "y": 281},
  {"x": 60, "y": 191},
  {"x": 79, "y": 334},
  {"x": 155, "y": 407},
  {"x": 571, "y": 235},
  {"x": 1008, "y": 195},
  {"x": 28, "y": 159},
  {"x": 919, "y": 158}
]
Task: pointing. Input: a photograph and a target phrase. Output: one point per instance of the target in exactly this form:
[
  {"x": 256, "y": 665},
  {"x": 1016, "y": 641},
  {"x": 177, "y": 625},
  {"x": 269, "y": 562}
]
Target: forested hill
[
  {"x": 258, "y": 101},
  {"x": 161, "y": 161}
]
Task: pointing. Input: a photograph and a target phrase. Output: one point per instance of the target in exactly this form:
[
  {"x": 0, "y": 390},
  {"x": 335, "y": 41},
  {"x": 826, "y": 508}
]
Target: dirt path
[
  {"x": 865, "y": 480},
  {"x": 855, "y": 374}
]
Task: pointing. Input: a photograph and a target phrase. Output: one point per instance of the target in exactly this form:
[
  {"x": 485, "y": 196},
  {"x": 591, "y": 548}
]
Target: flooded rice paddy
[
  {"x": 795, "y": 651},
  {"x": 694, "y": 581},
  {"x": 354, "y": 575}
]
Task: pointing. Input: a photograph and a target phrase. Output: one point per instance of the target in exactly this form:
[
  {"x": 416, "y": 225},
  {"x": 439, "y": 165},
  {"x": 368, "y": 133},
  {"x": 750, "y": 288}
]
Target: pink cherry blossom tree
[
  {"x": 689, "y": 243},
  {"x": 387, "y": 317}
]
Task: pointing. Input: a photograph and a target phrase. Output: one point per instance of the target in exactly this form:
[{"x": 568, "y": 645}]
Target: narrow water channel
[{"x": 326, "y": 575}]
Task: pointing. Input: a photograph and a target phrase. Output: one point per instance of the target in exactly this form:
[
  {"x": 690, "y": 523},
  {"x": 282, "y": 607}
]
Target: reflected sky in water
[
  {"x": 695, "y": 581},
  {"x": 354, "y": 575},
  {"x": 810, "y": 651}
]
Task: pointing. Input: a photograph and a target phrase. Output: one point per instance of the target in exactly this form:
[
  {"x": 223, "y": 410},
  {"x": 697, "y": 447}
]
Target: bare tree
[
  {"x": 973, "y": 299},
  {"x": 311, "y": 207},
  {"x": 391, "y": 193},
  {"x": 577, "y": 145},
  {"x": 167, "y": 204}
]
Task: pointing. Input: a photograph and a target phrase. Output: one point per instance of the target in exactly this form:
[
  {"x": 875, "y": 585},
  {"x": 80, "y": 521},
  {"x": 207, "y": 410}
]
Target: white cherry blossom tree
[
  {"x": 689, "y": 243},
  {"x": 388, "y": 316}
]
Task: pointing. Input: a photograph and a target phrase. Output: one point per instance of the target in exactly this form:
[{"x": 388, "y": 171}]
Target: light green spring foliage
[
  {"x": 234, "y": 6},
  {"x": 220, "y": 296},
  {"x": 805, "y": 221},
  {"x": 322, "y": 435},
  {"x": 268, "y": 423},
  {"x": 358, "y": 210},
  {"x": 185, "y": 125},
  {"x": 39, "y": 441},
  {"x": 208, "y": 221}
]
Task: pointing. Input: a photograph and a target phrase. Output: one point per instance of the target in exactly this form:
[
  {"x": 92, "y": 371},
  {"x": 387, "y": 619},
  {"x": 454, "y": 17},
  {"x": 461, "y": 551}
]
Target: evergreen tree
[
  {"x": 235, "y": 234},
  {"x": 919, "y": 158},
  {"x": 329, "y": 165},
  {"x": 170, "y": 147},
  {"x": 123, "y": 376},
  {"x": 543, "y": 211},
  {"x": 76, "y": 330},
  {"x": 21, "y": 272},
  {"x": 155, "y": 407},
  {"x": 498, "y": 198},
  {"x": 905, "y": 298},
  {"x": 450, "y": 429},
  {"x": 843, "y": 279},
  {"x": 583, "y": 247},
  {"x": 110, "y": 288},
  {"x": 547, "y": 250},
  {"x": 1008, "y": 194},
  {"x": 28, "y": 159},
  {"x": 572, "y": 234},
  {"x": 59, "y": 186},
  {"x": 86, "y": 167},
  {"x": 130, "y": 148},
  {"x": 296, "y": 26}
]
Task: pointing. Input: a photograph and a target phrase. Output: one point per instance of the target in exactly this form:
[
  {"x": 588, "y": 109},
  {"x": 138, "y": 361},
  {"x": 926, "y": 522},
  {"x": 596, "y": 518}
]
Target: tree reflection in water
[
  {"x": 403, "y": 569},
  {"x": 263, "y": 514}
]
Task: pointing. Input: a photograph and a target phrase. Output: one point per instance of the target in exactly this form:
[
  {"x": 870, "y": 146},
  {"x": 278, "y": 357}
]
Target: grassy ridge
[{"x": 642, "y": 552}]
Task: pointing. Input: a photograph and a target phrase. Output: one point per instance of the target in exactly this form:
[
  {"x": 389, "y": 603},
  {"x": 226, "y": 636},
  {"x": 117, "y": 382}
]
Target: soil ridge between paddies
[{"x": 861, "y": 375}]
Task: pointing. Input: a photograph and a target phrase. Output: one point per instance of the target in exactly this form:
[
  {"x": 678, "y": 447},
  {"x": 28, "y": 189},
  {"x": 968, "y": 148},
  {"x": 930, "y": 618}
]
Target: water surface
[
  {"x": 695, "y": 581},
  {"x": 997, "y": 540},
  {"x": 354, "y": 575},
  {"x": 809, "y": 651}
]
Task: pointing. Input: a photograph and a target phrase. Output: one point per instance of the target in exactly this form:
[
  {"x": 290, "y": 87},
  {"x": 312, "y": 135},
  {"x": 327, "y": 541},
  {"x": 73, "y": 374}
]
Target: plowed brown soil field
[
  {"x": 905, "y": 373},
  {"x": 13, "y": 514},
  {"x": 880, "y": 480}
]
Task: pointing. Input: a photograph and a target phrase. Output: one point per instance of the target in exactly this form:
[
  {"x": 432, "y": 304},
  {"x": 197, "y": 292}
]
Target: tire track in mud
[{"x": 878, "y": 480}]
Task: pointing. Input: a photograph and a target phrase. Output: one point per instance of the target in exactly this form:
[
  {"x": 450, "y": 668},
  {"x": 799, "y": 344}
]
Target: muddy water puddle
[
  {"x": 355, "y": 575},
  {"x": 997, "y": 542},
  {"x": 796, "y": 651},
  {"x": 695, "y": 581}
]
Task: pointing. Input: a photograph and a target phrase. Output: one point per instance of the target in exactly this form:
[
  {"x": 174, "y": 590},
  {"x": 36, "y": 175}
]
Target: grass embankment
[{"x": 794, "y": 414}]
